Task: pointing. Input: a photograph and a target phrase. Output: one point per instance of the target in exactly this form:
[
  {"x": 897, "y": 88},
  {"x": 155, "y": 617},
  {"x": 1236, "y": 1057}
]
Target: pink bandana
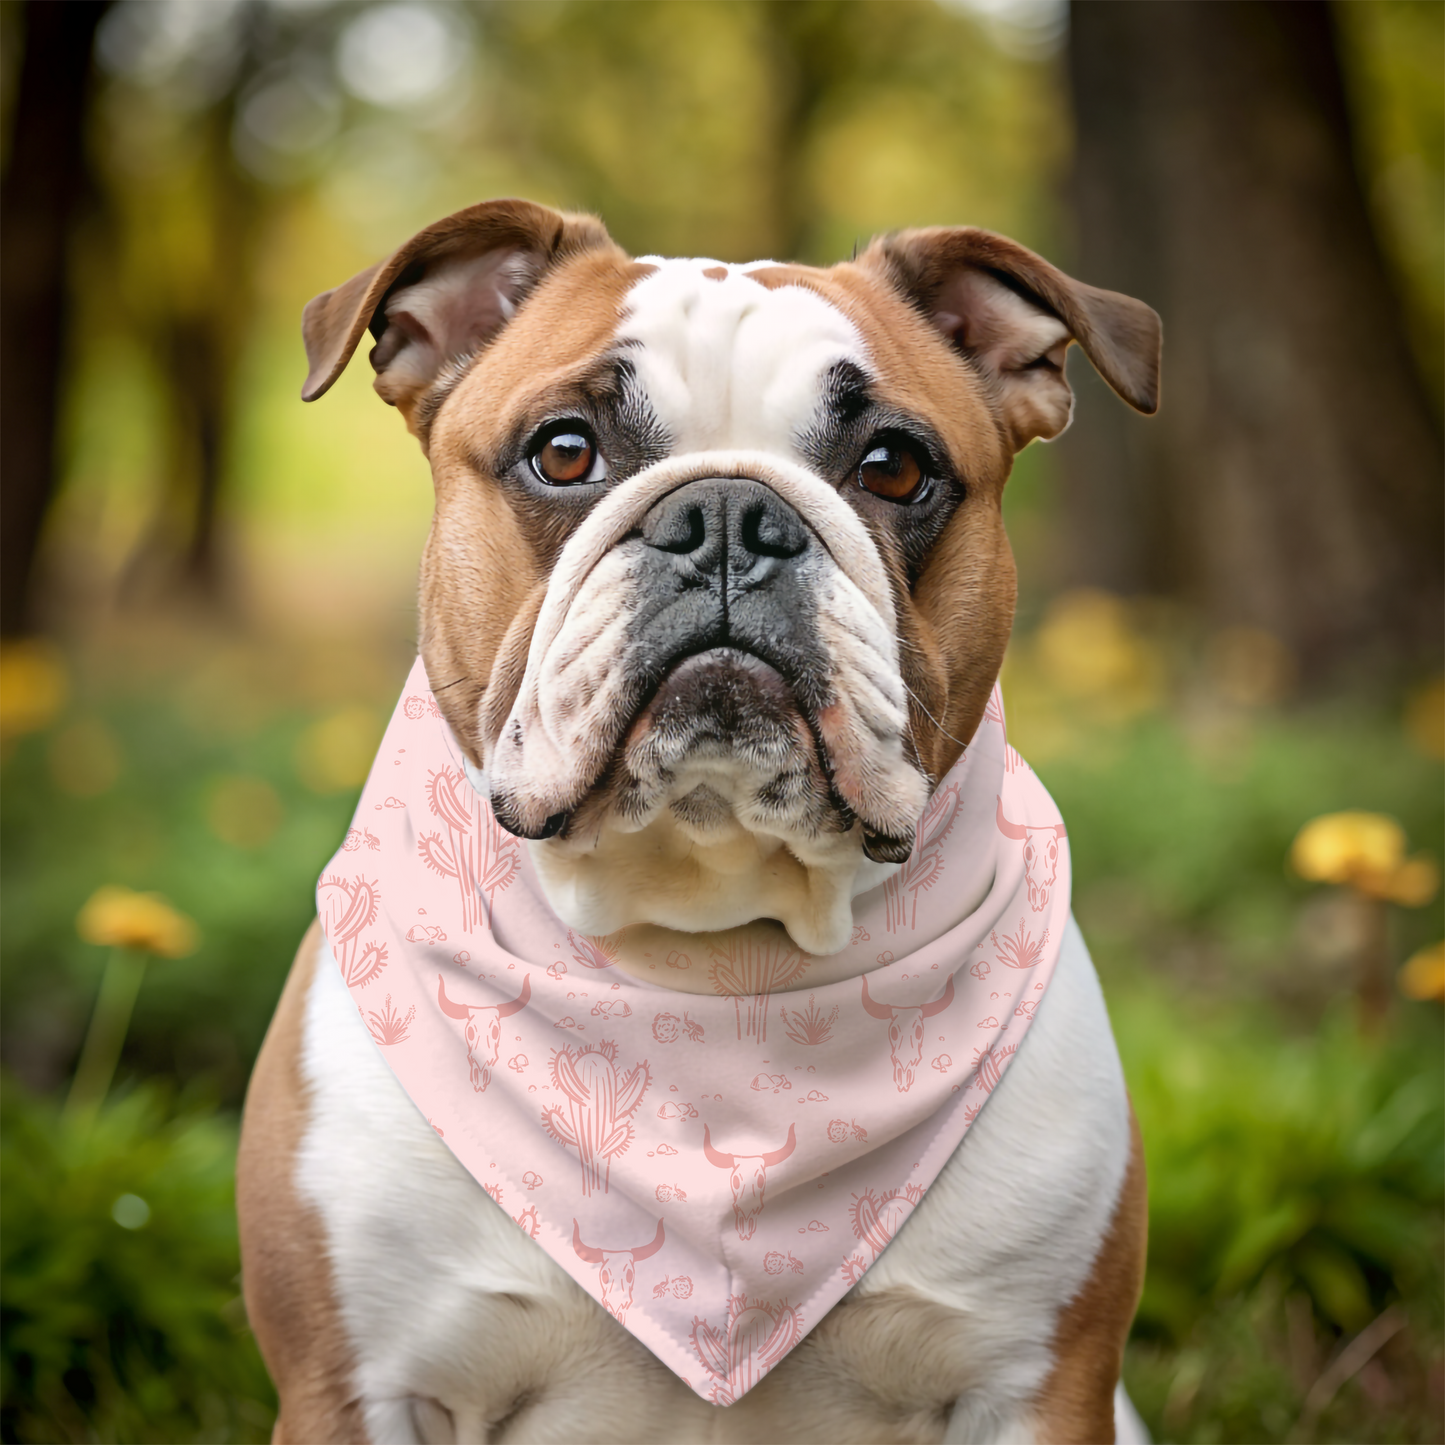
[{"x": 716, "y": 1170}]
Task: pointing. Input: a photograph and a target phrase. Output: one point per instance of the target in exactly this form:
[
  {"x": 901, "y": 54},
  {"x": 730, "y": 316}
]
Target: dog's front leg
[
  {"x": 1081, "y": 1401},
  {"x": 285, "y": 1268}
]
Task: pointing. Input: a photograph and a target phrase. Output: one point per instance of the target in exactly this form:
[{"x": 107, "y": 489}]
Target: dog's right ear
[{"x": 440, "y": 297}]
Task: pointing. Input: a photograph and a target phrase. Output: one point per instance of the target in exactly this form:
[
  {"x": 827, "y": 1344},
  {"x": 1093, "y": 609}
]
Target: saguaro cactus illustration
[
  {"x": 600, "y": 1104},
  {"x": 925, "y": 864},
  {"x": 477, "y": 852},
  {"x": 876, "y": 1219},
  {"x": 751, "y": 972}
]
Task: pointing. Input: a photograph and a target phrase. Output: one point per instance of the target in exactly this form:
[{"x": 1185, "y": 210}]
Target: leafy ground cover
[
  {"x": 1295, "y": 1158},
  {"x": 120, "y": 1311}
]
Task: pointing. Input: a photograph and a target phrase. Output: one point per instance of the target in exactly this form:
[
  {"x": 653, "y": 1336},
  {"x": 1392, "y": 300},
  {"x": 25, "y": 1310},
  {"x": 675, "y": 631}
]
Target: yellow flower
[
  {"x": 120, "y": 918},
  {"x": 32, "y": 686},
  {"x": 1413, "y": 883},
  {"x": 1423, "y": 976},
  {"x": 1367, "y": 852},
  {"x": 1339, "y": 847}
]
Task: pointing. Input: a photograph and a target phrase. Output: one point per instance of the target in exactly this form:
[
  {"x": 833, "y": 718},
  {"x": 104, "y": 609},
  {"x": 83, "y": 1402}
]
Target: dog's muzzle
[{"x": 722, "y": 644}]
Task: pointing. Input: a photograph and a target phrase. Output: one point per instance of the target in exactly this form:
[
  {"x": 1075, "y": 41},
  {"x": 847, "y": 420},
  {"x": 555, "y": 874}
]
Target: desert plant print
[{"x": 715, "y": 1169}]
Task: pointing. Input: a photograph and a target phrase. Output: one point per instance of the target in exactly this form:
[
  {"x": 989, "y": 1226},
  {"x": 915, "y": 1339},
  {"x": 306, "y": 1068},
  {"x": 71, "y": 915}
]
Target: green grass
[
  {"x": 120, "y": 1310},
  {"x": 1295, "y": 1166}
]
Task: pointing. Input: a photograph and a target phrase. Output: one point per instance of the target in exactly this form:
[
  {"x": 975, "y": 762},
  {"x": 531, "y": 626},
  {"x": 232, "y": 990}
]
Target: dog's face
[{"x": 717, "y": 581}]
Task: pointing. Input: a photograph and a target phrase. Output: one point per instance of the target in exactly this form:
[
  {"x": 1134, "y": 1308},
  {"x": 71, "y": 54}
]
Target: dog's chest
[{"x": 446, "y": 1299}]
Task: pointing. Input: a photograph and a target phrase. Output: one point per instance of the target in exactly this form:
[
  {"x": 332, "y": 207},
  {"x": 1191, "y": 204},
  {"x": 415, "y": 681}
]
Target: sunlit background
[{"x": 1226, "y": 667}]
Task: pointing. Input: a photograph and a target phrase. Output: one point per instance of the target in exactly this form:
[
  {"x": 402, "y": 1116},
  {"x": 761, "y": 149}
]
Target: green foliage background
[{"x": 1295, "y": 1165}]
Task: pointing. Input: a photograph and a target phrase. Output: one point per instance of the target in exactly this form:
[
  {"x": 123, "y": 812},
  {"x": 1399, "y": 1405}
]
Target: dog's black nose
[{"x": 726, "y": 525}]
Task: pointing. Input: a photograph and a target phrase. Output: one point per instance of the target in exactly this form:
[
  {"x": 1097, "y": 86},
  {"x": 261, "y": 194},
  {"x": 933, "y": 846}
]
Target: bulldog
[{"x": 715, "y": 595}]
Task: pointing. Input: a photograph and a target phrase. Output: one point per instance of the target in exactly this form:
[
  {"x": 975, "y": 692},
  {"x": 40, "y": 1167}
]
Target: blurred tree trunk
[
  {"x": 44, "y": 185},
  {"x": 809, "y": 54},
  {"x": 196, "y": 317},
  {"x": 1292, "y": 480}
]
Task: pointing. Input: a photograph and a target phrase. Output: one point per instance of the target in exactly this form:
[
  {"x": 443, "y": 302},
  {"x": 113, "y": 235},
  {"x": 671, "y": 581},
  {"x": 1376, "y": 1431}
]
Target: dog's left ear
[{"x": 1013, "y": 315}]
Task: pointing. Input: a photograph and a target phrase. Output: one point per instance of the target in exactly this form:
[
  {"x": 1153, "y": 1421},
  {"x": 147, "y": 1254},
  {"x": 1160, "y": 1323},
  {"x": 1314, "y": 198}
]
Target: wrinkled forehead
[{"x": 734, "y": 356}]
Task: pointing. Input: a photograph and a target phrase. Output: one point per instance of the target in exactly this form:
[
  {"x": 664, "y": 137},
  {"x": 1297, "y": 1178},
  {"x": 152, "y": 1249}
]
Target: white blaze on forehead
[{"x": 729, "y": 362}]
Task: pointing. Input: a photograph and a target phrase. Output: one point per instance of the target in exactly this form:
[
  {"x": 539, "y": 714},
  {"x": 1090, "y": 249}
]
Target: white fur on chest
[{"x": 446, "y": 1300}]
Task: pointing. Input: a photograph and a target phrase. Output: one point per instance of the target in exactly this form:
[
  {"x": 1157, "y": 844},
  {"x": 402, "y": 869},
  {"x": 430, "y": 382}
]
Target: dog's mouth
[
  {"x": 721, "y": 698},
  {"x": 725, "y": 738},
  {"x": 720, "y": 709}
]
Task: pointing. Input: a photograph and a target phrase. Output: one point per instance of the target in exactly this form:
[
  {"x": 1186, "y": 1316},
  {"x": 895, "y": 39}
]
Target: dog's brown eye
[
  {"x": 566, "y": 458},
  {"x": 891, "y": 471}
]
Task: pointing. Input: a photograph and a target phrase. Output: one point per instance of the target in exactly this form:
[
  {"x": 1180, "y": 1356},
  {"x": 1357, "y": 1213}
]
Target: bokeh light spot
[
  {"x": 85, "y": 758},
  {"x": 336, "y": 753},
  {"x": 398, "y": 55},
  {"x": 33, "y": 686},
  {"x": 1425, "y": 719},
  {"x": 244, "y": 811},
  {"x": 130, "y": 1211}
]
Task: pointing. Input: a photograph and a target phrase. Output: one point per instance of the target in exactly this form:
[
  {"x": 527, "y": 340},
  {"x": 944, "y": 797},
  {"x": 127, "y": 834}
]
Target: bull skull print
[
  {"x": 749, "y": 1177},
  {"x": 617, "y": 1269},
  {"x": 484, "y": 1029},
  {"x": 905, "y": 1031},
  {"x": 1041, "y": 855}
]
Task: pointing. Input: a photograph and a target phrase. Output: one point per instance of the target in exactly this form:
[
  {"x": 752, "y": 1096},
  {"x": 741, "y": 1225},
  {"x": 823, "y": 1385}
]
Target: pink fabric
[{"x": 716, "y": 1170}]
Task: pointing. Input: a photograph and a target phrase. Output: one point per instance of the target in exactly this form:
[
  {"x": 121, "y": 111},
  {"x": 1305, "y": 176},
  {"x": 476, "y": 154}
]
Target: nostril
[
  {"x": 684, "y": 531},
  {"x": 769, "y": 532}
]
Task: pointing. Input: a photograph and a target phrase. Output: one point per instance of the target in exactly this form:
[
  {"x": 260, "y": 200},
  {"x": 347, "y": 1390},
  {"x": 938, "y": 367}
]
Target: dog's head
[{"x": 717, "y": 581}]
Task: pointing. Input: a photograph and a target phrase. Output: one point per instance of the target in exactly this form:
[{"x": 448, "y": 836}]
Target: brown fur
[
  {"x": 334, "y": 322},
  {"x": 954, "y": 623},
  {"x": 285, "y": 1273},
  {"x": 485, "y": 567},
  {"x": 1076, "y": 1404},
  {"x": 483, "y": 556}
]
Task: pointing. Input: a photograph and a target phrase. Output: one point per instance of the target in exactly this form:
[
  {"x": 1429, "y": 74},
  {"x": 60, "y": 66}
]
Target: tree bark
[
  {"x": 42, "y": 191},
  {"x": 1292, "y": 480}
]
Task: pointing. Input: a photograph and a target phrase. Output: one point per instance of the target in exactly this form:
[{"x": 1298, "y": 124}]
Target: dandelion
[
  {"x": 1364, "y": 853},
  {"x": 144, "y": 922},
  {"x": 135, "y": 927}
]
